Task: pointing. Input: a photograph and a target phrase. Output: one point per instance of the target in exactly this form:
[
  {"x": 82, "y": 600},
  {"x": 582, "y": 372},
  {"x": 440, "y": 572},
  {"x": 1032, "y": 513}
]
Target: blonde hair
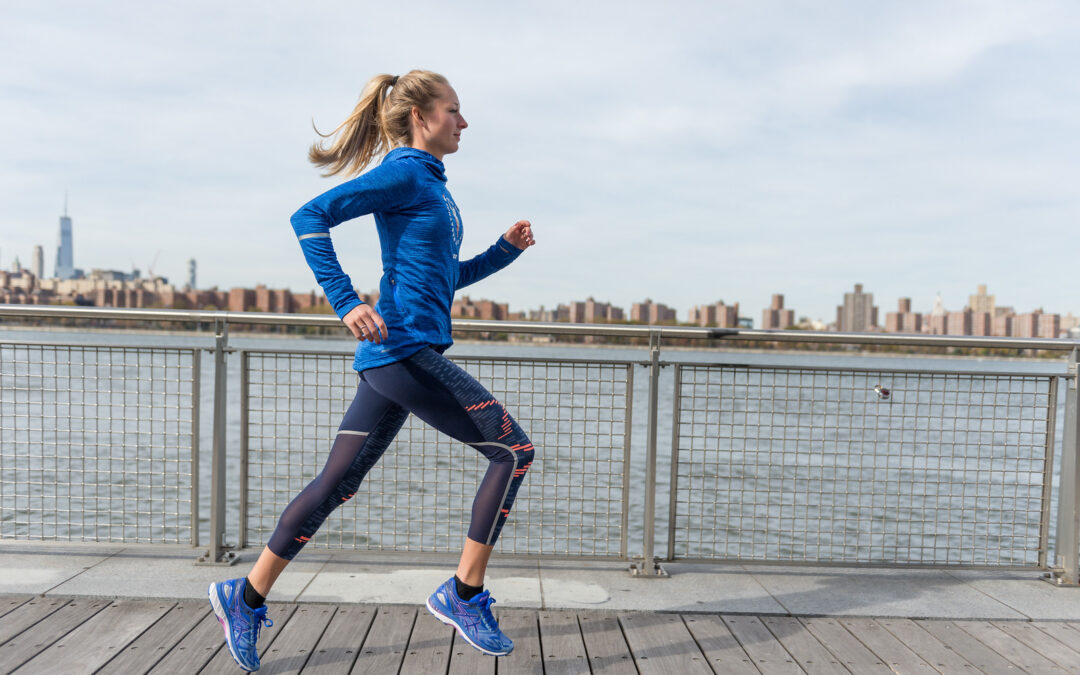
[{"x": 378, "y": 123}]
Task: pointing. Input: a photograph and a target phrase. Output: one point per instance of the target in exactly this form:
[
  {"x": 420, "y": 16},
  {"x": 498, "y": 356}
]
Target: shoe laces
[
  {"x": 483, "y": 603},
  {"x": 260, "y": 621}
]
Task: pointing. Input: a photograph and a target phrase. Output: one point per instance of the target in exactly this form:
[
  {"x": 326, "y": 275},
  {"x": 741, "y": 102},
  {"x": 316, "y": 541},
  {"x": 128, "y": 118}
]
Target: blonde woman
[{"x": 416, "y": 118}]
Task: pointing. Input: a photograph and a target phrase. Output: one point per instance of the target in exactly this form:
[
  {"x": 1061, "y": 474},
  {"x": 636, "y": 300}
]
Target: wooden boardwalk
[{"x": 64, "y": 635}]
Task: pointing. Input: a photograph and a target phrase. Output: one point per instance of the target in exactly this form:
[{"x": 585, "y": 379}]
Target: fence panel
[
  {"x": 823, "y": 466},
  {"x": 96, "y": 443},
  {"x": 419, "y": 496}
]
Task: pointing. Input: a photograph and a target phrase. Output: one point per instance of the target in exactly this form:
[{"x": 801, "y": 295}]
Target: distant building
[
  {"x": 718, "y": 314},
  {"x": 981, "y": 302},
  {"x": 776, "y": 317},
  {"x": 65, "y": 254},
  {"x": 958, "y": 323},
  {"x": 1027, "y": 325},
  {"x": 592, "y": 311},
  {"x": 465, "y": 308},
  {"x": 191, "y": 274},
  {"x": 1049, "y": 325},
  {"x": 858, "y": 313},
  {"x": 982, "y": 324},
  {"x": 1002, "y": 325},
  {"x": 37, "y": 265},
  {"x": 651, "y": 312},
  {"x": 903, "y": 320},
  {"x": 936, "y": 322}
]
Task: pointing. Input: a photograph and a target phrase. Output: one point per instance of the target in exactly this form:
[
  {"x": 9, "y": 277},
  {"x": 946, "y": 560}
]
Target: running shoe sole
[
  {"x": 450, "y": 622},
  {"x": 211, "y": 592}
]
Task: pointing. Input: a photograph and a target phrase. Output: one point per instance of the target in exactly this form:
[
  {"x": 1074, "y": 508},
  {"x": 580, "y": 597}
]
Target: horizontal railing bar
[
  {"x": 541, "y": 328},
  {"x": 848, "y": 369},
  {"x": 458, "y": 357},
  {"x": 853, "y": 563},
  {"x": 547, "y": 359}
]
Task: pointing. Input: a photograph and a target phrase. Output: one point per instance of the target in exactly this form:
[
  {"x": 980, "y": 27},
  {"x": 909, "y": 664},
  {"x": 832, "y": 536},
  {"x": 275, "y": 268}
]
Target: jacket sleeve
[
  {"x": 385, "y": 187},
  {"x": 501, "y": 254}
]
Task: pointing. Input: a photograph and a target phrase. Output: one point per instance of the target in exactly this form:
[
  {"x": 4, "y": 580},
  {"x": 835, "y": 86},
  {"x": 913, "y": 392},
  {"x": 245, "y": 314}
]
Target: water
[{"x": 727, "y": 491}]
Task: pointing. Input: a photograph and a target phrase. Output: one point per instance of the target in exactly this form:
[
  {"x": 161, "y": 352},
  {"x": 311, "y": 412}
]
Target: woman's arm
[
  {"x": 505, "y": 251},
  {"x": 384, "y": 187}
]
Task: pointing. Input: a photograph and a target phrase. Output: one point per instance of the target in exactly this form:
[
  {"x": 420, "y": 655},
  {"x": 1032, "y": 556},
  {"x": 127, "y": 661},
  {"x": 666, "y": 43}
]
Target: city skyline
[
  {"x": 688, "y": 152},
  {"x": 982, "y": 316},
  {"x": 856, "y": 313}
]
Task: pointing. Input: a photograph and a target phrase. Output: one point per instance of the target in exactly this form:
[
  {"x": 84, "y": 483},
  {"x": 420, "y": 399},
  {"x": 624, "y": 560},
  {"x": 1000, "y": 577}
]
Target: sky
[{"x": 685, "y": 152}]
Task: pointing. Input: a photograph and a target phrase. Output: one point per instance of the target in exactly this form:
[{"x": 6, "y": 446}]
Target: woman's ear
[{"x": 416, "y": 118}]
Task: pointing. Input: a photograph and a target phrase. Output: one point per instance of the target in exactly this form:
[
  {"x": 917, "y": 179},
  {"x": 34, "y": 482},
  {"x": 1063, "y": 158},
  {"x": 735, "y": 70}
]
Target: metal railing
[{"x": 776, "y": 463}]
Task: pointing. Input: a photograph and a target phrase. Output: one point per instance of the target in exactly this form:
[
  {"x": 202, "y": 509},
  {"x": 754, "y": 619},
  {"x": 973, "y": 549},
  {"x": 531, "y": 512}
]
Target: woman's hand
[
  {"x": 365, "y": 324},
  {"x": 520, "y": 235}
]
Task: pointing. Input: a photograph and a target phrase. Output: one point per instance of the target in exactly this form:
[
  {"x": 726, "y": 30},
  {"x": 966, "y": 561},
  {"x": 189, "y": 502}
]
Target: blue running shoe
[
  {"x": 241, "y": 623},
  {"x": 472, "y": 618}
]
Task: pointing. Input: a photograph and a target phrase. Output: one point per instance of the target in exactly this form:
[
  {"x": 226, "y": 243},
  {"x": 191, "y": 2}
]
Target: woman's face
[{"x": 438, "y": 130}]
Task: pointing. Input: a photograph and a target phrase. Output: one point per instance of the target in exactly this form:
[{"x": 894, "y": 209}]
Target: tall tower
[
  {"x": 38, "y": 263},
  {"x": 65, "y": 255},
  {"x": 191, "y": 274}
]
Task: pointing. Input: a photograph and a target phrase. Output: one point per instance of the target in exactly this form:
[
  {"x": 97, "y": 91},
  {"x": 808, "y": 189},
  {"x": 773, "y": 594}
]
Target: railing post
[
  {"x": 648, "y": 567},
  {"x": 1066, "y": 571},
  {"x": 244, "y": 450},
  {"x": 218, "y": 553},
  {"x": 673, "y": 503},
  {"x": 196, "y": 377}
]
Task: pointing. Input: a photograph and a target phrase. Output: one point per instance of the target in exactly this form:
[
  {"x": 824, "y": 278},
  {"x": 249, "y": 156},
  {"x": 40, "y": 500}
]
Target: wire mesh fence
[
  {"x": 418, "y": 497},
  {"x": 843, "y": 466},
  {"x": 97, "y": 443}
]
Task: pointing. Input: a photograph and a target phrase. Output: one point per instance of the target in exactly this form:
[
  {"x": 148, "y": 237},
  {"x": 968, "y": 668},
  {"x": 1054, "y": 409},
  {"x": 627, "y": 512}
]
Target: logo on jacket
[{"x": 454, "y": 215}]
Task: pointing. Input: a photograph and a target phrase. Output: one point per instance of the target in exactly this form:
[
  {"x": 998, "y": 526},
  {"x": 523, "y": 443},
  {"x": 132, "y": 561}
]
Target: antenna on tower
[{"x": 65, "y": 203}]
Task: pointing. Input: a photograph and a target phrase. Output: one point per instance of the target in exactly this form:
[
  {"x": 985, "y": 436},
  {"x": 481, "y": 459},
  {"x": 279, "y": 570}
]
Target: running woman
[{"x": 417, "y": 118}]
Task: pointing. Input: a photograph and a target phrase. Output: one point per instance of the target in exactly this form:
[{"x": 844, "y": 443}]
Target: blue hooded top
[{"x": 420, "y": 234}]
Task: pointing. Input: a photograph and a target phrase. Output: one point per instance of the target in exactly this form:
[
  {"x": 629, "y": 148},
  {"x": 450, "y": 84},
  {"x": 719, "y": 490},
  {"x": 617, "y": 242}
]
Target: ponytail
[{"x": 378, "y": 123}]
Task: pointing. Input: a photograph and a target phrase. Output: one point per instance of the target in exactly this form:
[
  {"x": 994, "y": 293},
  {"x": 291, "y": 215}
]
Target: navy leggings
[{"x": 430, "y": 386}]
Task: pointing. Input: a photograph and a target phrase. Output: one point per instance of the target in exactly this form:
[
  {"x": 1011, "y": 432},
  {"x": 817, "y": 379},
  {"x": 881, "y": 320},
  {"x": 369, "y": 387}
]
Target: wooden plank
[
  {"x": 467, "y": 660},
  {"x": 341, "y": 642},
  {"x": 807, "y": 651},
  {"x": 562, "y": 646},
  {"x": 1001, "y": 642},
  {"x": 37, "y": 638},
  {"x": 291, "y": 650},
  {"x": 848, "y": 650},
  {"x": 767, "y": 653},
  {"x": 387, "y": 639},
  {"x": 723, "y": 651},
  {"x": 606, "y": 644},
  {"x": 662, "y": 644},
  {"x": 1062, "y": 633},
  {"x": 195, "y": 649},
  {"x": 26, "y": 615},
  {"x": 927, "y": 646},
  {"x": 1046, "y": 645},
  {"x": 522, "y": 626},
  {"x": 886, "y": 647},
  {"x": 152, "y": 646},
  {"x": 223, "y": 663},
  {"x": 11, "y": 602},
  {"x": 429, "y": 646},
  {"x": 961, "y": 642},
  {"x": 100, "y": 638}
]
